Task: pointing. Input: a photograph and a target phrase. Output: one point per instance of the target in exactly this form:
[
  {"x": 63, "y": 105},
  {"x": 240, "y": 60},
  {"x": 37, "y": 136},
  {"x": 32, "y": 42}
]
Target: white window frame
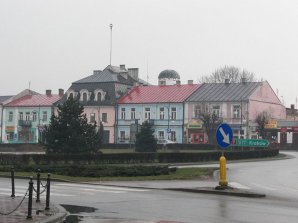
[
  {"x": 133, "y": 113},
  {"x": 122, "y": 114},
  {"x": 234, "y": 110},
  {"x": 162, "y": 113},
  {"x": 173, "y": 113},
  {"x": 147, "y": 113}
]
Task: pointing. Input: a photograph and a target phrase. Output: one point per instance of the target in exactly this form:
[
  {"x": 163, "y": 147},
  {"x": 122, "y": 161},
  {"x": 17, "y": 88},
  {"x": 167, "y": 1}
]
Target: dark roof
[
  {"x": 110, "y": 74},
  {"x": 4, "y": 98},
  {"x": 214, "y": 92},
  {"x": 169, "y": 74},
  {"x": 159, "y": 94}
]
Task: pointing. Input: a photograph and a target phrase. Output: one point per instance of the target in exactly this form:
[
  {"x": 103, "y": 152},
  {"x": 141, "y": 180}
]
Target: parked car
[{"x": 165, "y": 142}]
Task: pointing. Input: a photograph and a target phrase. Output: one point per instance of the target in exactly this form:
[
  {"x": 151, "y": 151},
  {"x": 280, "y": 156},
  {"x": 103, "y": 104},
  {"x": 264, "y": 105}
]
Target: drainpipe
[
  {"x": 183, "y": 120},
  {"x": 116, "y": 124},
  {"x": 1, "y": 123}
]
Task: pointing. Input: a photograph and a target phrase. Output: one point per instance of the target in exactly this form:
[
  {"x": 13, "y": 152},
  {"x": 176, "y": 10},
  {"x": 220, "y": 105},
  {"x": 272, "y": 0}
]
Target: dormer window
[
  {"x": 85, "y": 95},
  {"x": 71, "y": 94},
  {"x": 99, "y": 95}
]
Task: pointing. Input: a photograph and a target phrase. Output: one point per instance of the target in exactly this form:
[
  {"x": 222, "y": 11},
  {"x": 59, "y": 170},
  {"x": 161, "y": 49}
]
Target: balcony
[{"x": 25, "y": 123}]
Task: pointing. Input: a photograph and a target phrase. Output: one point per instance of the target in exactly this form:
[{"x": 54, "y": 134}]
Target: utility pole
[{"x": 111, "y": 27}]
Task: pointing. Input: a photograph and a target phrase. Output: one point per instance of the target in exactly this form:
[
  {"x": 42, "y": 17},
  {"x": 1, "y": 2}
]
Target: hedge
[{"x": 131, "y": 158}]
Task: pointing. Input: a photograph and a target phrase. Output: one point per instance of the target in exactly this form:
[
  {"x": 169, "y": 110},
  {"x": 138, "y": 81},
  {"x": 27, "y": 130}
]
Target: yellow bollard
[{"x": 223, "y": 172}]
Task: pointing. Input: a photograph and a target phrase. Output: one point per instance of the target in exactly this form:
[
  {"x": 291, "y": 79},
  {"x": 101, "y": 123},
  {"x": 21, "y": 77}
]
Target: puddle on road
[{"x": 74, "y": 209}]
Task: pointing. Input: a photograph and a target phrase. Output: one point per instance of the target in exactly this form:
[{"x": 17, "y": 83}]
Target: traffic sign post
[{"x": 224, "y": 137}]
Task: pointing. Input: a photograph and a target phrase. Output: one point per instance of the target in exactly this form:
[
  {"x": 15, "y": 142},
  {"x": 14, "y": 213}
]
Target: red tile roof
[
  {"x": 159, "y": 94},
  {"x": 34, "y": 100}
]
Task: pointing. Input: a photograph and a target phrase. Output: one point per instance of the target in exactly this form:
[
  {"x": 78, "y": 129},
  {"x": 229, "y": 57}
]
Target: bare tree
[
  {"x": 262, "y": 119},
  {"x": 234, "y": 74},
  {"x": 210, "y": 123}
]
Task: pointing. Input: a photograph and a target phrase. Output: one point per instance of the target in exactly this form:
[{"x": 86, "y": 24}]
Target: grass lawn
[{"x": 180, "y": 174}]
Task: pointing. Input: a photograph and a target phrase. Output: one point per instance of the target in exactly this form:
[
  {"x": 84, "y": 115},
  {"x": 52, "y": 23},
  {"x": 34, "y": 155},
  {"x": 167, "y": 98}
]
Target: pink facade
[
  {"x": 265, "y": 99},
  {"x": 109, "y": 124}
]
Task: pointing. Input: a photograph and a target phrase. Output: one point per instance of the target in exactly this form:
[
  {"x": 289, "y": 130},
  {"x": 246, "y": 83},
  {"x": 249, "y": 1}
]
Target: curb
[
  {"x": 58, "y": 216},
  {"x": 219, "y": 192}
]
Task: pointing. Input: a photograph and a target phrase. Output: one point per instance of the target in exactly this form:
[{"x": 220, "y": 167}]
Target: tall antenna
[
  {"x": 147, "y": 72},
  {"x": 111, "y": 27}
]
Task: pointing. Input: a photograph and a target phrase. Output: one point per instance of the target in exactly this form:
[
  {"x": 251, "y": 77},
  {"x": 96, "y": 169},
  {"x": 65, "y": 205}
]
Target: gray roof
[
  {"x": 4, "y": 98},
  {"x": 216, "y": 92},
  {"x": 110, "y": 74}
]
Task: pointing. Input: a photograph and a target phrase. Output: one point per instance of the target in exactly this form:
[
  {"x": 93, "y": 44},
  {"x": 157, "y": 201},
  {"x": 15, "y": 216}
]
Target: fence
[{"x": 30, "y": 192}]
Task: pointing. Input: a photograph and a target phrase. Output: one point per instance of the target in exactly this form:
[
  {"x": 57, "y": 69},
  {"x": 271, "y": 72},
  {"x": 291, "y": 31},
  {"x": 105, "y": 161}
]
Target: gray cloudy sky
[{"x": 52, "y": 43}]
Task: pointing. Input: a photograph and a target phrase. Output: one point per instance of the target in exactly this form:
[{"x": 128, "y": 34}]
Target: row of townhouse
[
  {"x": 118, "y": 98},
  {"x": 174, "y": 111},
  {"x": 25, "y": 116}
]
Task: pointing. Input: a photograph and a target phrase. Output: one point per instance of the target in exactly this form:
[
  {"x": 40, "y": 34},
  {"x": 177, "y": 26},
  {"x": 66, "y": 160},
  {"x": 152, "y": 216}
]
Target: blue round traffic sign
[{"x": 224, "y": 135}]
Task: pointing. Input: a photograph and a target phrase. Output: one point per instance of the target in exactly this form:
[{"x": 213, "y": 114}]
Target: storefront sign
[
  {"x": 295, "y": 129},
  {"x": 272, "y": 124},
  {"x": 9, "y": 128},
  {"x": 283, "y": 129},
  {"x": 195, "y": 125}
]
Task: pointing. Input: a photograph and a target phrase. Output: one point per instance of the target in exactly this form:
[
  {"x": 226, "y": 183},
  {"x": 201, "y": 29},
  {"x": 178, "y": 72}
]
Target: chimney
[
  {"x": 61, "y": 92},
  {"x": 178, "y": 82},
  {"x": 190, "y": 82},
  {"x": 96, "y": 72},
  {"x": 134, "y": 73},
  {"x": 243, "y": 80},
  {"x": 48, "y": 93},
  {"x": 292, "y": 106},
  {"x": 227, "y": 81},
  {"x": 122, "y": 66}
]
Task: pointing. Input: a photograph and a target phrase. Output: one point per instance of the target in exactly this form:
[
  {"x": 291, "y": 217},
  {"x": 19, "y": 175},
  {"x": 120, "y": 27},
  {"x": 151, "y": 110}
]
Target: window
[
  {"x": 99, "y": 96},
  {"x": 173, "y": 114},
  {"x": 173, "y": 136},
  {"x": 122, "y": 136},
  {"x": 123, "y": 113},
  {"x": 10, "y": 116},
  {"x": 34, "y": 116},
  {"x": 147, "y": 113},
  {"x": 197, "y": 111},
  {"x": 104, "y": 117},
  {"x": 27, "y": 116},
  {"x": 44, "y": 116},
  {"x": 85, "y": 96},
  {"x": 236, "y": 111},
  {"x": 162, "y": 113},
  {"x": 92, "y": 117},
  {"x": 71, "y": 95},
  {"x": 21, "y": 116},
  {"x": 161, "y": 134},
  {"x": 162, "y": 83},
  {"x": 132, "y": 113},
  {"x": 216, "y": 110}
]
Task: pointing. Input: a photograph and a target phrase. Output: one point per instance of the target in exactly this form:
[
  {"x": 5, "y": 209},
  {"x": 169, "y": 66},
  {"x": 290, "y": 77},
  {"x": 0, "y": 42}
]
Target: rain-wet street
[{"x": 98, "y": 203}]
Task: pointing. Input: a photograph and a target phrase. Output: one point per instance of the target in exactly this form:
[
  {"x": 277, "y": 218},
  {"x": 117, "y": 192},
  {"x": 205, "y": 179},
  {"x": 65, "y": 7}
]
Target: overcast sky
[{"x": 52, "y": 43}]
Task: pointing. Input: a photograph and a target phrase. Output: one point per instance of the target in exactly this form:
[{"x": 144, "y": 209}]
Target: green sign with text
[{"x": 252, "y": 142}]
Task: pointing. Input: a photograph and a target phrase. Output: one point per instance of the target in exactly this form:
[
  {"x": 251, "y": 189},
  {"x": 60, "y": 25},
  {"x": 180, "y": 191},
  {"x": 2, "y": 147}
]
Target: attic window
[
  {"x": 84, "y": 96},
  {"x": 99, "y": 96}
]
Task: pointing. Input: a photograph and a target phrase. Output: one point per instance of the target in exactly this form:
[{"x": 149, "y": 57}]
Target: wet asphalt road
[{"x": 277, "y": 179}]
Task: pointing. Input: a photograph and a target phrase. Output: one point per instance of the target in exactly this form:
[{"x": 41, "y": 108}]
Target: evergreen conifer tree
[
  {"x": 70, "y": 132},
  {"x": 145, "y": 140}
]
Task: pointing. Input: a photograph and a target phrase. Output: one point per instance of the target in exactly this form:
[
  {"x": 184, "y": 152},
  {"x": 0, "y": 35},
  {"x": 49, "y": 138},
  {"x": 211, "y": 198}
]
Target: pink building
[{"x": 237, "y": 103}]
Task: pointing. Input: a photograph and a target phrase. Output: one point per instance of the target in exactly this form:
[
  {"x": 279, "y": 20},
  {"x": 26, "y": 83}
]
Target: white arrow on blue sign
[{"x": 224, "y": 135}]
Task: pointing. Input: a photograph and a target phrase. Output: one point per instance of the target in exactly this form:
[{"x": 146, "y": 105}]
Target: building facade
[
  {"x": 25, "y": 117},
  {"x": 238, "y": 104},
  {"x": 99, "y": 92},
  {"x": 162, "y": 106}
]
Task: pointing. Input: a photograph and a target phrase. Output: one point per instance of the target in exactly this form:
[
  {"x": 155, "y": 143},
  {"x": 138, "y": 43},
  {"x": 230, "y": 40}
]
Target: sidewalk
[{"x": 8, "y": 204}]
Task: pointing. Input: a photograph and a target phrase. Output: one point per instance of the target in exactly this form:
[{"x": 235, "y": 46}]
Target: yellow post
[{"x": 223, "y": 172}]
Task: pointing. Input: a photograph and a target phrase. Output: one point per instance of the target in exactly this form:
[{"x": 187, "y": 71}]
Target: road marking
[
  {"x": 264, "y": 187},
  {"x": 238, "y": 185},
  {"x": 100, "y": 187}
]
